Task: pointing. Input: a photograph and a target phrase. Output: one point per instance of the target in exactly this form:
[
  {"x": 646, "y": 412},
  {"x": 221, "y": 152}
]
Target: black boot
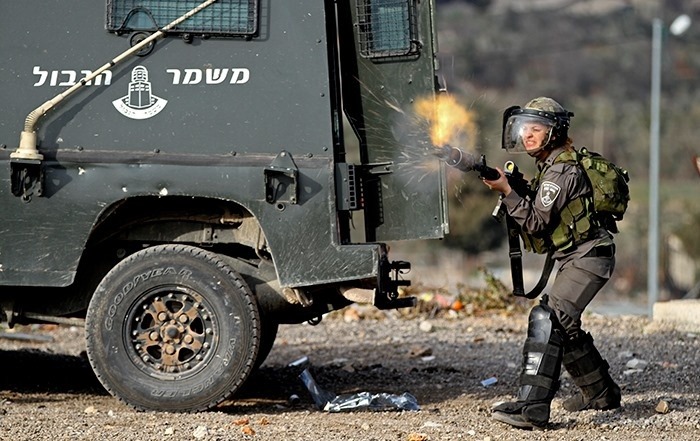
[
  {"x": 539, "y": 380},
  {"x": 589, "y": 371}
]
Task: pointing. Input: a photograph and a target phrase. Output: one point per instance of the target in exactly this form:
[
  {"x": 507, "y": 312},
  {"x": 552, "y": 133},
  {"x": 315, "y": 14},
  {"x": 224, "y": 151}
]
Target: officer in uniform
[{"x": 557, "y": 217}]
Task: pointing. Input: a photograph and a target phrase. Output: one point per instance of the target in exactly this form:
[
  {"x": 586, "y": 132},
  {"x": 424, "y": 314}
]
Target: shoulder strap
[
  {"x": 568, "y": 156},
  {"x": 516, "y": 264}
]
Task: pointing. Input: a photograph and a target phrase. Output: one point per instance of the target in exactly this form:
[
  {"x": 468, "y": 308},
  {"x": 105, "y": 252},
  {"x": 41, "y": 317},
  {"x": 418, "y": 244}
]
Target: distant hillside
[{"x": 593, "y": 56}]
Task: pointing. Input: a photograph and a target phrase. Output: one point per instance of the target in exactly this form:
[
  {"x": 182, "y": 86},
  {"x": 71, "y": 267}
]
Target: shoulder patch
[{"x": 549, "y": 192}]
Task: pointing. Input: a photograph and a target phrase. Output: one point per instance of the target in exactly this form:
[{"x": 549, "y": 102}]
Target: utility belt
[{"x": 601, "y": 251}]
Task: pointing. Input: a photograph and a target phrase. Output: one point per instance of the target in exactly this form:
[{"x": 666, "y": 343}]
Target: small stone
[
  {"x": 420, "y": 351},
  {"x": 348, "y": 367},
  {"x": 426, "y": 326},
  {"x": 90, "y": 410},
  {"x": 625, "y": 354},
  {"x": 637, "y": 363},
  {"x": 169, "y": 431},
  {"x": 200, "y": 432},
  {"x": 663, "y": 407}
]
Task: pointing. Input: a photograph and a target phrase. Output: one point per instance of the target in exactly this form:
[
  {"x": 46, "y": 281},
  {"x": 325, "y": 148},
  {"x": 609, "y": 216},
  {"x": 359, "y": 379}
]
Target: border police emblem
[{"x": 549, "y": 192}]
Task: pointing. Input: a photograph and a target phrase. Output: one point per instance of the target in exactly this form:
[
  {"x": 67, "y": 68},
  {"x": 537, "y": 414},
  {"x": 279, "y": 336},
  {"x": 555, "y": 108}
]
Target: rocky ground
[{"x": 48, "y": 392}]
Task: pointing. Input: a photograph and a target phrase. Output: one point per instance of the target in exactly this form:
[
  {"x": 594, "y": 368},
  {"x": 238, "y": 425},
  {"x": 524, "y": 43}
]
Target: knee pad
[{"x": 544, "y": 326}]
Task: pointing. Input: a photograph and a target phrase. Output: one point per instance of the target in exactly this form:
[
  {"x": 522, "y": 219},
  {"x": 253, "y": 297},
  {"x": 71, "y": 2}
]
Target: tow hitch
[{"x": 387, "y": 295}]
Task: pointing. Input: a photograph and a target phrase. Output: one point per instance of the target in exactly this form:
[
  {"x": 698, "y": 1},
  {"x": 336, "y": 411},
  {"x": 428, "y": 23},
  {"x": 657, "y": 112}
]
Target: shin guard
[
  {"x": 589, "y": 371},
  {"x": 539, "y": 379}
]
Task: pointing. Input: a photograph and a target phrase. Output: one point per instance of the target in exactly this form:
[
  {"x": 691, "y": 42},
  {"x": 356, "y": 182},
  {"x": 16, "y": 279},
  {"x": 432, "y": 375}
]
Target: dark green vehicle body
[{"x": 225, "y": 135}]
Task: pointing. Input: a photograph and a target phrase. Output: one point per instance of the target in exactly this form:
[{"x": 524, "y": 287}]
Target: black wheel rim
[{"x": 171, "y": 332}]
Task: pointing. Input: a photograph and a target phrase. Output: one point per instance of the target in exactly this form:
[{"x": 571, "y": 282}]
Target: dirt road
[{"x": 48, "y": 392}]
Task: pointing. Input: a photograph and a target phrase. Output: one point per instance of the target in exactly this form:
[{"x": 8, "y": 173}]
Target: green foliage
[{"x": 495, "y": 296}]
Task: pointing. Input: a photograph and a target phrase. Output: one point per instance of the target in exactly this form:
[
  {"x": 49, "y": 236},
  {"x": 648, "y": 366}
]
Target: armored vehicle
[{"x": 183, "y": 176}]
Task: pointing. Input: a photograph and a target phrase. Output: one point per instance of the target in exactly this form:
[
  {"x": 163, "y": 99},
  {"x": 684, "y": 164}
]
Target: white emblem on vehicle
[
  {"x": 139, "y": 103},
  {"x": 549, "y": 192}
]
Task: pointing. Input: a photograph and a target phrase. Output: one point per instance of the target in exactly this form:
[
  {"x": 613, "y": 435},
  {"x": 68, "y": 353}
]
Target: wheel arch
[{"x": 128, "y": 225}]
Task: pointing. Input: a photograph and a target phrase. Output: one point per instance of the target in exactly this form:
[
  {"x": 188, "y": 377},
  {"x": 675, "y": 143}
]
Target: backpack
[{"x": 609, "y": 182}]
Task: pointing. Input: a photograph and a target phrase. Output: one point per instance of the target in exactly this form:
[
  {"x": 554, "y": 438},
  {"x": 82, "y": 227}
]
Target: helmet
[{"x": 542, "y": 123}]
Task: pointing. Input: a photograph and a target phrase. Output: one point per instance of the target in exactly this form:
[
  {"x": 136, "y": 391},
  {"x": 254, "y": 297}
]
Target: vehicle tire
[
  {"x": 172, "y": 328},
  {"x": 267, "y": 340}
]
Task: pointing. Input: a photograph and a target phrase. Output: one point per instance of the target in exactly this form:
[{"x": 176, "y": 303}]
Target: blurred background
[{"x": 595, "y": 58}]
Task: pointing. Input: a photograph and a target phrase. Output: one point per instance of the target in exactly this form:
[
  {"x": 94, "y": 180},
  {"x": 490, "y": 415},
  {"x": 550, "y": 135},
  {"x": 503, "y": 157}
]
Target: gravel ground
[{"x": 48, "y": 392}]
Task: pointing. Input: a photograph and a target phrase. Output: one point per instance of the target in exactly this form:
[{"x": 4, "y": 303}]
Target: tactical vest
[{"x": 575, "y": 224}]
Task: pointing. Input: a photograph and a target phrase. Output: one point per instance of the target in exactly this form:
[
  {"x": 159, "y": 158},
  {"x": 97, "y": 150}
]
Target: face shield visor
[{"x": 526, "y": 132}]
